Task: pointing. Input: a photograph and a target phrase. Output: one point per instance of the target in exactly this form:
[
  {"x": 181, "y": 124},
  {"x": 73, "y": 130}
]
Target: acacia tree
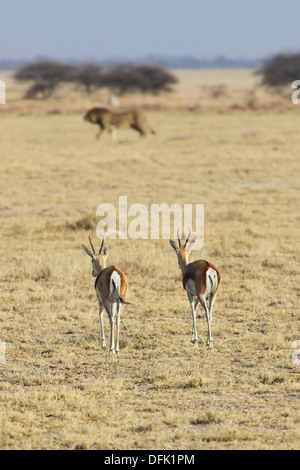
[
  {"x": 280, "y": 70},
  {"x": 45, "y": 75},
  {"x": 157, "y": 78},
  {"x": 89, "y": 75},
  {"x": 147, "y": 78},
  {"x": 122, "y": 79}
]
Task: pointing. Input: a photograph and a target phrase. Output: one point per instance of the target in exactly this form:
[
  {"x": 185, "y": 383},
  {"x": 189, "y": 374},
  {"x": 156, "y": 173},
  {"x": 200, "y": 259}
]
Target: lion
[{"x": 108, "y": 119}]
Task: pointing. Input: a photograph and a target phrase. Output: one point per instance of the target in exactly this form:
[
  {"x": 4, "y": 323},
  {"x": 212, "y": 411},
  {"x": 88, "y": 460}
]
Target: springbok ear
[
  {"x": 106, "y": 251},
  {"x": 173, "y": 245},
  {"x": 88, "y": 252}
]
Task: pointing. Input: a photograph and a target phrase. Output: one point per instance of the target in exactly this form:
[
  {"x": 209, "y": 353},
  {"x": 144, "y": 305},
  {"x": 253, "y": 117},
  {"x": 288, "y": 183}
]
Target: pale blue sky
[{"x": 98, "y": 29}]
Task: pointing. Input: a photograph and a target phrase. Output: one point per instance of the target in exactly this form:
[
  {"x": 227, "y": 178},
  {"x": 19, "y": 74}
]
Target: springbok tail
[{"x": 118, "y": 295}]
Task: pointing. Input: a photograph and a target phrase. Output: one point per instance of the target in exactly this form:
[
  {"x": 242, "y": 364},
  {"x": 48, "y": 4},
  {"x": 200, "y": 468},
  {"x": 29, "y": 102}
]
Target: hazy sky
[{"x": 98, "y": 29}]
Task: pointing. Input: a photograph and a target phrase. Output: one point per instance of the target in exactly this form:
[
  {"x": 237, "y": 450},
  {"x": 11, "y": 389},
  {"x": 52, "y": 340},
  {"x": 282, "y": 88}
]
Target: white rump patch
[
  {"x": 211, "y": 281},
  {"x": 115, "y": 277}
]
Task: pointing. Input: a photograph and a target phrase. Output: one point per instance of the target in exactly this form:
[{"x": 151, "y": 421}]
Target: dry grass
[{"x": 58, "y": 389}]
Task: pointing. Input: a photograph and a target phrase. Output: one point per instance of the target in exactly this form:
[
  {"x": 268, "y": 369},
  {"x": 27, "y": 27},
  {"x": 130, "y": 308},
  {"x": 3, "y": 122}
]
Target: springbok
[
  {"x": 111, "y": 287},
  {"x": 200, "y": 279}
]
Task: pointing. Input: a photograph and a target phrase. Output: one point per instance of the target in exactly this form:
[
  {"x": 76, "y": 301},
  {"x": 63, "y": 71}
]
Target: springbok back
[
  {"x": 111, "y": 288},
  {"x": 201, "y": 280}
]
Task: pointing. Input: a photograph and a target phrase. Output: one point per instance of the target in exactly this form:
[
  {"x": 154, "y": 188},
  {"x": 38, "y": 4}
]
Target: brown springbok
[
  {"x": 111, "y": 288},
  {"x": 200, "y": 279}
]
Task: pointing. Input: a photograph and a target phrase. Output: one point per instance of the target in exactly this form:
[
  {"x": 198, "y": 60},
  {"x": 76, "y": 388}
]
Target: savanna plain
[{"x": 234, "y": 148}]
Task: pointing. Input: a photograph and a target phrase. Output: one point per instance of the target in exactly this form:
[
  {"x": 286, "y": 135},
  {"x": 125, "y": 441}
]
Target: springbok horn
[
  {"x": 178, "y": 237},
  {"x": 101, "y": 244},
  {"x": 187, "y": 238},
  {"x": 92, "y": 244}
]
